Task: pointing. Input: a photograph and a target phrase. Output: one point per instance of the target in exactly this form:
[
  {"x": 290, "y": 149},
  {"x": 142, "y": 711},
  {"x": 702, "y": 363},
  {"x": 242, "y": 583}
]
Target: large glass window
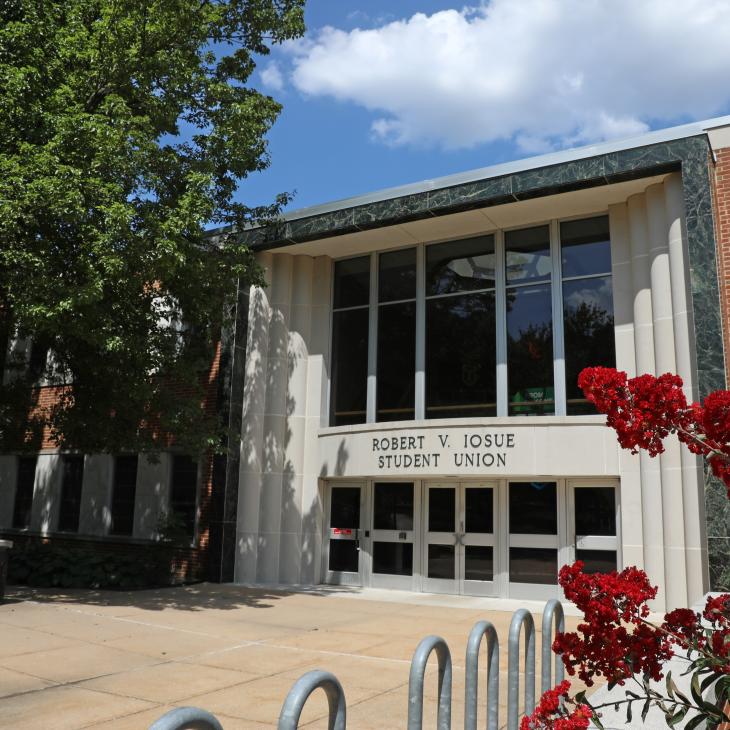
[
  {"x": 460, "y": 377},
  {"x": 123, "y": 495},
  {"x": 529, "y": 322},
  {"x": 24, "y": 492},
  {"x": 70, "y": 505},
  {"x": 350, "y": 330},
  {"x": 585, "y": 250},
  {"x": 396, "y": 335},
  {"x": 467, "y": 328}
]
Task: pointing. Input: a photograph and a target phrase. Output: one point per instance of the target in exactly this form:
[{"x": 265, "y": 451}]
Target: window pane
[
  {"x": 530, "y": 350},
  {"x": 528, "y": 254},
  {"x": 460, "y": 265},
  {"x": 595, "y": 511},
  {"x": 24, "y": 492},
  {"x": 585, "y": 247},
  {"x": 442, "y": 509},
  {"x": 396, "y": 361},
  {"x": 461, "y": 370},
  {"x": 533, "y": 565},
  {"x": 123, "y": 495},
  {"x": 479, "y": 507},
  {"x": 349, "y": 366},
  {"x": 397, "y": 275},
  {"x": 478, "y": 562},
  {"x": 533, "y": 508},
  {"x": 345, "y": 508},
  {"x": 344, "y": 556},
  {"x": 393, "y": 508},
  {"x": 589, "y": 334},
  {"x": 597, "y": 561},
  {"x": 183, "y": 494},
  {"x": 441, "y": 561},
  {"x": 70, "y": 507},
  {"x": 393, "y": 558},
  {"x": 352, "y": 282}
]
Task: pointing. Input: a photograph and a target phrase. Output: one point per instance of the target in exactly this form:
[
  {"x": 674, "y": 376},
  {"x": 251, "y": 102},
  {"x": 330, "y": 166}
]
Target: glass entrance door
[
  {"x": 533, "y": 539},
  {"x": 345, "y": 533},
  {"x": 592, "y": 521},
  {"x": 458, "y": 542}
]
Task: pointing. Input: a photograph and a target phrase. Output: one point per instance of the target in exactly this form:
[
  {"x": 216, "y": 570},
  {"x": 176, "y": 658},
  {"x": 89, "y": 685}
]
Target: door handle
[{"x": 458, "y": 538}]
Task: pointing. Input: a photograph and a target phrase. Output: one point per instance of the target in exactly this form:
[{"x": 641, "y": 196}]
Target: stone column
[{"x": 47, "y": 493}]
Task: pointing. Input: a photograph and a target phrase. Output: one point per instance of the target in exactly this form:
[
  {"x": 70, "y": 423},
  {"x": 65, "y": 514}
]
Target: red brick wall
[{"x": 721, "y": 204}]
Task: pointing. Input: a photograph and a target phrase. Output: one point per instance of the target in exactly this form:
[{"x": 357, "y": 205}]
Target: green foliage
[
  {"x": 53, "y": 566},
  {"x": 103, "y": 204}
]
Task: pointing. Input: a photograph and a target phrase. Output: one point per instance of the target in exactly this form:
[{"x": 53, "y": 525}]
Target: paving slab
[{"x": 120, "y": 660}]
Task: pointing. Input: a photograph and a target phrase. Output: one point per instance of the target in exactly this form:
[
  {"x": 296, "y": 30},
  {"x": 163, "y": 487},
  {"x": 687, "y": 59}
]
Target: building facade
[{"x": 403, "y": 391}]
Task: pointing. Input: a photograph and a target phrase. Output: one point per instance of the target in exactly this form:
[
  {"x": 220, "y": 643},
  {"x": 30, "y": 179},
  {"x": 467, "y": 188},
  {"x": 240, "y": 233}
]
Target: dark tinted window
[
  {"x": 479, "y": 509},
  {"x": 597, "y": 561},
  {"x": 460, "y": 265},
  {"x": 24, "y": 492},
  {"x": 345, "y": 508},
  {"x": 349, "y": 366},
  {"x": 585, "y": 247},
  {"x": 397, "y": 275},
  {"x": 528, "y": 254},
  {"x": 183, "y": 495},
  {"x": 123, "y": 495},
  {"x": 530, "y": 350},
  {"x": 533, "y": 565},
  {"x": 441, "y": 509},
  {"x": 344, "y": 556},
  {"x": 396, "y": 361},
  {"x": 533, "y": 508},
  {"x": 461, "y": 358},
  {"x": 441, "y": 561},
  {"x": 393, "y": 506},
  {"x": 393, "y": 558},
  {"x": 70, "y": 506},
  {"x": 595, "y": 511},
  {"x": 478, "y": 562},
  {"x": 352, "y": 282}
]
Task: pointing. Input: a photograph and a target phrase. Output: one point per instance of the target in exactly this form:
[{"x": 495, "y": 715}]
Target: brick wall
[{"x": 192, "y": 563}]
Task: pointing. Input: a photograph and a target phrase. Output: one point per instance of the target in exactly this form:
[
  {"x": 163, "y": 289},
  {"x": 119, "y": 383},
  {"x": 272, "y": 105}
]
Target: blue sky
[{"x": 385, "y": 93}]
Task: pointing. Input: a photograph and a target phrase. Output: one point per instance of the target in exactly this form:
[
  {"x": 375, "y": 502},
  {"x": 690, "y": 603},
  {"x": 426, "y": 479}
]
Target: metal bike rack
[
  {"x": 298, "y": 695},
  {"x": 553, "y": 620}
]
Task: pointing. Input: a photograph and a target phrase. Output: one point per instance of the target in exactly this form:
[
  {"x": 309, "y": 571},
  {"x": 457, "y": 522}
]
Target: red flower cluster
[
  {"x": 646, "y": 409},
  {"x": 551, "y": 713},
  {"x": 603, "y": 645}
]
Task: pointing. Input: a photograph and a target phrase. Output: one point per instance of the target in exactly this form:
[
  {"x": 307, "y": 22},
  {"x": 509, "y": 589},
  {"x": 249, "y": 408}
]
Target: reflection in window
[
  {"x": 587, "y": 304},
  {"x": 461, "y": 356},
  {"x": 478, "y": 562},
  {"x": 597, "y": 561},
  {"x": 533, "y": 565},
  {"x": 123, "y": 495},
  {"x": 459, "y": 266},
  {"x": 441, "y": 562},
  {"x": 352, "y": 282},
  {"x": 393, "y": 558},
  {"x": 396, "y": 361},
  {"x": 184, "y": 491},
  {"x": 528, "y": 254},
  {"x": 595, "y": 511},
  {"x": 397, "y": 275},
  {"x": 530, "y": 350},
  {"x": 349, "y": 366}
]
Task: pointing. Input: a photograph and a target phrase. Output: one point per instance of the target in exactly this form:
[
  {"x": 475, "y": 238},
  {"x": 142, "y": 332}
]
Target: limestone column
[
  {"x": 252, "y": 427},
  {"x": 632, "y": 532},
  {"x": 664, "y": 350},
  {"x": 651, "y": 483},
  {"x": 47, "y": 493},
  {"x": 695, "y": 539}
]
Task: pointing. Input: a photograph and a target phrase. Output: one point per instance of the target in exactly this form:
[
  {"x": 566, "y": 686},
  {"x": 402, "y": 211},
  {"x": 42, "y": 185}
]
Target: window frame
[{"x": 500, "y": 291}]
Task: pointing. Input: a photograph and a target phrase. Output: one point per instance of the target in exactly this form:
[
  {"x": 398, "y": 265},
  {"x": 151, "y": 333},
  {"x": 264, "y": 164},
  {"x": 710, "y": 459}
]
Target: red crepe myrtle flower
[{"x": 551, "y": 712}]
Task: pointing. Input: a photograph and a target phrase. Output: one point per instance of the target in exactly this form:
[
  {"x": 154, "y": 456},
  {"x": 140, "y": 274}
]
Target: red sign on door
[{"x": 341, "y": 531}]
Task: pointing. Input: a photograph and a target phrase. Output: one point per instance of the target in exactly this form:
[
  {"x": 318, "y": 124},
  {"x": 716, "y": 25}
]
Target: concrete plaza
[{"x": 103, "y": 659}]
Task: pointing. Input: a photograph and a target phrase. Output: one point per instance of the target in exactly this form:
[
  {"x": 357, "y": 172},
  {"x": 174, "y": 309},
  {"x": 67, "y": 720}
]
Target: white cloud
[
  {"x": 544, "y": 73},
  {"x": 272, "y": 77}
]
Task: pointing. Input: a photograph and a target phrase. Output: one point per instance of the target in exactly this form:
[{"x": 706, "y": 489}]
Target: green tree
[{"x": 125, "y": 126}]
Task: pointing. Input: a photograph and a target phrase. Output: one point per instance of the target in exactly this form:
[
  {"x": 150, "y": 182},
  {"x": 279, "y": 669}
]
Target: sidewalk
[{"x": 103, "y": 659}]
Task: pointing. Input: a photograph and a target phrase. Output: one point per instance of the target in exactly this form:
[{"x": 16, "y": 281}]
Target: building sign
[{"x": 447, "y": 450}]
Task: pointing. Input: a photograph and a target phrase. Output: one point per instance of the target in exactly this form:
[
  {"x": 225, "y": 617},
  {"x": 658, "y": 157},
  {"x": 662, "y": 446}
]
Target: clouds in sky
[{"x": 541, "y": 73}]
